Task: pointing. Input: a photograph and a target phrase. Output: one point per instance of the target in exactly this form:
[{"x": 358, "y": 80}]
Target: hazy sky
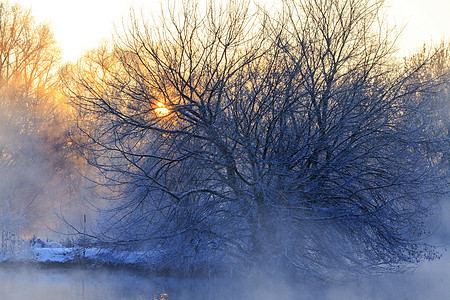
[{"x": 81, "y": 24}]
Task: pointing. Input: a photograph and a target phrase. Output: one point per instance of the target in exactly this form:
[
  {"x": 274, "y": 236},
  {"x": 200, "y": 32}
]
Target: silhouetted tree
[{"x": 286, "y": 139}]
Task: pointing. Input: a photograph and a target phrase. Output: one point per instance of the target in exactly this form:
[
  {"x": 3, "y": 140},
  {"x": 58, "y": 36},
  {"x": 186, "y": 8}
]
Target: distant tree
[
  {"x": 433, "y": 63},
  {"x": 28, "y": 51},
  {"x": 36, "y": 163},
  {"x": 284, "y": 140}
]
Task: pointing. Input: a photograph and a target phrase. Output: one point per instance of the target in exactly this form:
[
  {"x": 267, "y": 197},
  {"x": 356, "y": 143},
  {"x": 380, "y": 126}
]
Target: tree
[
  {"x": 243, "y": 136},
  {"x": 36, "y": 163},
  {"x": 28, "y": 51}
]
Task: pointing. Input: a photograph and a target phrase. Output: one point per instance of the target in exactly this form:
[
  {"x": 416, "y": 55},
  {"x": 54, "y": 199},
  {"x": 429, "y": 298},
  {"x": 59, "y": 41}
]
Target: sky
[{"x": 80, "y": 25}]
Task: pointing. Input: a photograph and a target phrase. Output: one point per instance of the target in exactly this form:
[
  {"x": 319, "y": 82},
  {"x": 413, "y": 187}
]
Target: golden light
[{"x": 161, "y": 110}]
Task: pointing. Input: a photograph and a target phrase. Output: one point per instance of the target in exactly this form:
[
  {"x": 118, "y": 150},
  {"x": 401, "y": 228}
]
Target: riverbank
[{"x": 51, "y": 253}]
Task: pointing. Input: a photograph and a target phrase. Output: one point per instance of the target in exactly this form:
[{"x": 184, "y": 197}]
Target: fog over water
[
  {"x": 429, "y": 281},
  {"x": 19, "y": 281}
]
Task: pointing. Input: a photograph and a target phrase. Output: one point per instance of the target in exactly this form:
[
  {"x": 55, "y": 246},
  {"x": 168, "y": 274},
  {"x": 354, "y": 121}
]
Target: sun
[{"x": 161, "y": 110}]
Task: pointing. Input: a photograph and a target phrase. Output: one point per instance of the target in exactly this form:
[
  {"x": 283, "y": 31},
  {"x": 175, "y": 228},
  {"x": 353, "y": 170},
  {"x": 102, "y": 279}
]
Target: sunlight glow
[
  {"x": 83, "y": 24},
  {"x": 161, "y": 110}
]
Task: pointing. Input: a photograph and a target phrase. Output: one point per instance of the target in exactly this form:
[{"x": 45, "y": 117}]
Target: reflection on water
[
  {"x": 34, "y": 282},
  {"x": 19, "y": 282}
]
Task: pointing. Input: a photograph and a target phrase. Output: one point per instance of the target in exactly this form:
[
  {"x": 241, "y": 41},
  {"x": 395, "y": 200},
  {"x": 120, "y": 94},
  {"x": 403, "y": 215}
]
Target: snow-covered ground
[{"x": 52, "y": 252}]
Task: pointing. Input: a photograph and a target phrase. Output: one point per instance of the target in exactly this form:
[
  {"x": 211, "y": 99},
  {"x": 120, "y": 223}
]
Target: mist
[
  {"x": 27, "y": 174},
  {"x": 428, "y": 281},
  {"x": 225, "y": 152},
  {"x": 39, "y": 182}
]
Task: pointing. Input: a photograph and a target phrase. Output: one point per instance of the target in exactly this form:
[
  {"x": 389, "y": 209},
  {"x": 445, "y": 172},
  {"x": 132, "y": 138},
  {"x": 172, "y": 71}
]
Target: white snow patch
[{"x": 60, "y": 255}]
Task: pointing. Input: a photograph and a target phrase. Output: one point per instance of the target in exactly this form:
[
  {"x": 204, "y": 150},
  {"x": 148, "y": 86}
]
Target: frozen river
[{"x": 430, "y": 281}]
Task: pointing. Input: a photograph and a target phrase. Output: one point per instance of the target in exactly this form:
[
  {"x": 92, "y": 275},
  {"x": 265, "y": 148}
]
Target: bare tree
[
  {"x": 362, "y": 160},
  {"x": 37, "y": 165},
  {"x": 242, "y": 136},
  {"x": 28, "y": 51}
]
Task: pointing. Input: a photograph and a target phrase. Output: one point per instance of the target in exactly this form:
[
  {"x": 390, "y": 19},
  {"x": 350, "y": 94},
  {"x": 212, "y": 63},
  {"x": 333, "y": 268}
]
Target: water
[
  {"x": 31, "y": 282},
  {"x": 430, "y": 281}
]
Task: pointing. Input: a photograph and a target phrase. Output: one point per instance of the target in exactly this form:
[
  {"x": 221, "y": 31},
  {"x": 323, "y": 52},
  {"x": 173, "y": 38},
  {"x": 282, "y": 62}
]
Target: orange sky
[{"x": 81, "y": 24}]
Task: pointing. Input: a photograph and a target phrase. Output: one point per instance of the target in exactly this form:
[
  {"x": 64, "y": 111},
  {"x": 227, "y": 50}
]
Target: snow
[
  {"x": 60, "y": 255},
  {"x": 52, "y": 252}
]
